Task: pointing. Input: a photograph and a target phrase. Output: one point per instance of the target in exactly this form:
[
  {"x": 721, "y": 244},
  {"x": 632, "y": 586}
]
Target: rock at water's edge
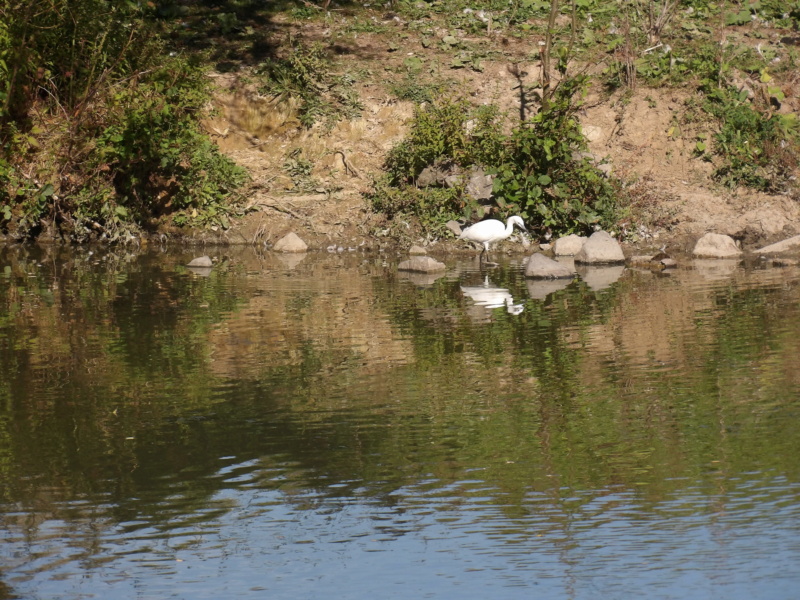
[
  {"x": 569, "y": 245},
  {"x": 600, "y": 249},
  {"x": 716, "y": 245},
  {"x": 291, "y": 242},
  {"x": 541, "y": 267},
  {"x": 787, "y": 245}
]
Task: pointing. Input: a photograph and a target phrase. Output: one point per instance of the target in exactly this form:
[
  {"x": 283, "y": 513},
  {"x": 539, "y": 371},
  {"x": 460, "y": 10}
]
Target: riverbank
[{"x": 314, "y": 153}]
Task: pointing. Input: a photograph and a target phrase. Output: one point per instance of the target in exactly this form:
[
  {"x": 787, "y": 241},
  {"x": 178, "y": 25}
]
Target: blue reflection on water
[{"x": 435, "y": 542}]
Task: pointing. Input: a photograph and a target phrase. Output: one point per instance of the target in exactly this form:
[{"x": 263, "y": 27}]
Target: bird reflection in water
[{"x": 492, "y": 297}]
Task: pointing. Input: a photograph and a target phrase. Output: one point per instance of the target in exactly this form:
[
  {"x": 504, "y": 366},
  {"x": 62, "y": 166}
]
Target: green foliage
[
  {"x": 541, "y": 169},
  {"x": 449, "y": 131},
  {"x": 432, "y": 206},
  {"x": 446, "y": 134},
  {"x": 107, "y": 121},
  {"x": 306, "y": 76},
  {"x": 759, "y": 149},
  {"x": 161, "y": 160},
  {"x": 68, "y": 49},
  {"x": 547, "y": 176}
]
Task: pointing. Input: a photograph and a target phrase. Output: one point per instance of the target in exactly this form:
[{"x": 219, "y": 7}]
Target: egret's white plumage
[{"x": 491, "y": 231}]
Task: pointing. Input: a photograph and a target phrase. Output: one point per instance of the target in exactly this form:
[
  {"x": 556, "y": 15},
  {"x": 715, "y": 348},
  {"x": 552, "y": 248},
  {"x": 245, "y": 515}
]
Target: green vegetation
[
  {"x": 438, "y": 138},
  {"x": 101, "y": 101},
  {"x": 306, "y": 77},
  {"x": 542, "y": 170},
  {"x": 100, "y": 125}
]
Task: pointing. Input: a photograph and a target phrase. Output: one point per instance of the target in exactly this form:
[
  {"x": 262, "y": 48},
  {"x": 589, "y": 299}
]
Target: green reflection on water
[{"x": 125, "y": 377}]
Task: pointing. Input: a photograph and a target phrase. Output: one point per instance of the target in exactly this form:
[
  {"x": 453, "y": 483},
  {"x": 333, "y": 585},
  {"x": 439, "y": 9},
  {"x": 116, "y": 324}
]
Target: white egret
[{"x": 491, "y": 231}]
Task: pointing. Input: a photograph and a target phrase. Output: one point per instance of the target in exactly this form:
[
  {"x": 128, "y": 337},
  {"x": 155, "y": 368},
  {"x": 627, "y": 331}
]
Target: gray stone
[
  {"x": 480, "y": 185},
  {"x": 432, "y": 175},
  {"x": 716, "y": 245},
  {"x": 417, "y": 251},
  {"x": 475, "y": 181},
  {"x": 667, "y": 262},
  {"x": 454, "y": 226},
  {"x": 788, "y": 245},
  {"x": 421, "y": 264},
  {"x": 541, "y": 267},
  {"x": 600, "y": 249},
  {"x": 201, "y": 261},
  {"x": 569, "y": 245},
  {"x": 291, "y": 242}
]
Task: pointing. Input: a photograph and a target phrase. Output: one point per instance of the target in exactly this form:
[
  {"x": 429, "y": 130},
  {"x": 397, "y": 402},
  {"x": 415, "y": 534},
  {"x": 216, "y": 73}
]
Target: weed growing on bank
[{"x": 306, "y": 76}]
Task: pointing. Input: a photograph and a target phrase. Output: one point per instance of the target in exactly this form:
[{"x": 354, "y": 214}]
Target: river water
[{"x": 324, "y": 426}]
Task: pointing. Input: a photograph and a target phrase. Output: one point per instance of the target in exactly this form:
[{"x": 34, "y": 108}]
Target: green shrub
[
  {"x": 547, "y": 175},
  {"x": 160, "y": 160},
  {"x": 432, "y": 207},
  {"x": 105, "y": 122},
  {"x": 450, "y": 131},
  {"x": 542, "y": 170}
]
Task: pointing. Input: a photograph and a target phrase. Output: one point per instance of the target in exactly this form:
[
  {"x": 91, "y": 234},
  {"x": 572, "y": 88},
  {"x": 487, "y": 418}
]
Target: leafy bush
[
  {"x": 105, "y": 124},
  {"x": 446, "y": 131},
  {"x": 547, "y": 176},
  {"x": 433, "y": 207},
  {"x": 161, "y": 161},
  {"x": 542, "y": 170}
]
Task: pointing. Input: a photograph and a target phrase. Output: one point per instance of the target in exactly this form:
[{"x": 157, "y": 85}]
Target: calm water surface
[{"x": 326, "y": 427}]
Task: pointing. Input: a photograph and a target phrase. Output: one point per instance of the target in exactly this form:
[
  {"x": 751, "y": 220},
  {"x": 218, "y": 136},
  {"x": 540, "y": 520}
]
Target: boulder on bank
[
  {"x": 421, "y": 264},
  {"x": 716, "y": 245},
  {"x": 417, "y": 251},
  {"x": 569, "y": 245},
  {"x": 291, "y": 242},
  {"x": 600, "y": 249},
  {"x": 541, "y": 267},
  {"x": 789, "y": 245}
]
